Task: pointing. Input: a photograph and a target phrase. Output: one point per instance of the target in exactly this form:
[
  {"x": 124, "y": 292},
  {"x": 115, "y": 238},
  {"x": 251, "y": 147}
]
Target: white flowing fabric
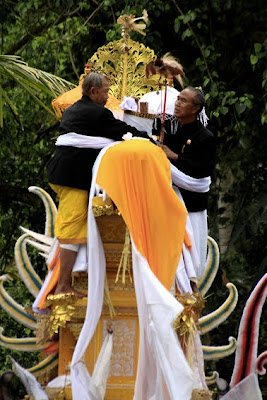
[
  {"x": 189, "y": 263},
  {"x": 83, "y": 387},
  {"x": 184, "y": 181},
  {"x": 199, "y": 222},
  {"x": 197, "y": 229},
  {"x": 60, "y": 382},
  {"x": 163, "y": 372},
  {"x": 140, "y": 123},
  {"x": 247, "y": 389},
  {"x": 129, "y": 103},
  {"x": 155, "y": 100},
  {"x": 102, "y": 366},
  {"x": 32, "y": 386},
  {"x": 82, "y": 141}
]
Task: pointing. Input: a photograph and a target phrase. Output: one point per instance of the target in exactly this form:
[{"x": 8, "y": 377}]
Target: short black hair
[{"x": 94, "y": 78}]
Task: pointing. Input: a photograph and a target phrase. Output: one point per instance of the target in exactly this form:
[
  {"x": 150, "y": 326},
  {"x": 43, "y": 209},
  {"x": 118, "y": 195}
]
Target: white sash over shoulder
[{"x": 82, "y": 141}]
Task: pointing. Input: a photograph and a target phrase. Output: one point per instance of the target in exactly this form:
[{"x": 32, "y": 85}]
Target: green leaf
[
  {"x": 186, "y": 33},
  {"x": 206, "y": 81},
  {"x": 253, "y": 59},
  {"x": 186, "y": 19},
  {"x": 224, "y": 110},
  {"x": 177, "y": 25},
  {"x": 240, "y": 108},
  {"x": 110, "y": 35},
  {"x": 232, "y": 101},
  {"x": 257, "y": 47},
  {"x": 199, "y": 62},
  {"x": 206, "y": 53},
  {"x": 248, "y": 103}
]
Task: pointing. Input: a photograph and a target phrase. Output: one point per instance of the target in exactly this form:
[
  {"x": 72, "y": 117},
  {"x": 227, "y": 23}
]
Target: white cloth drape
[
  {"x": 32, "y": 386},
  {"x": 184, "y": 181},
  {"x": 82, "y": 141},
  {"x": 140, "y": 123},
  {"x": 247, "y": 389},
  {"x": 163, "y": 372},
  {"x": 129, "y": 103},
  {"x": 155, "y": 100},
  {"x": 83, "y": 386},
  {"x": 199, "y": 222}
]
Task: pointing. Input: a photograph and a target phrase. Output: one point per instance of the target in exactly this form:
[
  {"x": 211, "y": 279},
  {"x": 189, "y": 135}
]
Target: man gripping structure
[
  {"x": 70, "y": 170},
  {"x": 192, "y": 150}
]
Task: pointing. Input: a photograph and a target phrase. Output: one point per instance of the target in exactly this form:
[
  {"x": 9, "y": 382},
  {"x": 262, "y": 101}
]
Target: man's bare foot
[{"x": 68, "y": 289}]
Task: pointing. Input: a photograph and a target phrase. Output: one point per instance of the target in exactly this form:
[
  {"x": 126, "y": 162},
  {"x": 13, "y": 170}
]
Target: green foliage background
[{"x": 222, "y": 46}]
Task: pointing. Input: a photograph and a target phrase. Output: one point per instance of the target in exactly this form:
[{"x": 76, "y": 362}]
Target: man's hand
[{"x": 169, "y": 153}]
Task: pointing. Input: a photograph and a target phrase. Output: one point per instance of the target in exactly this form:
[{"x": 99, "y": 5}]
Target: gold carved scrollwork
[
  {"x": 102, "y": 207},
  {"x": 110, "y": 60},
  {"x": 62, "y": 310}
]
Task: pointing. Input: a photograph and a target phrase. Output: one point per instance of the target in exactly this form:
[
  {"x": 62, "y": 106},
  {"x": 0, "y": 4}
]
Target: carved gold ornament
[
  {"x": 186, "y": 322},
  {"x": 126, "y": 71},
  {"x": 102, "y": 207},
  {"x": 62, "y": 310}
]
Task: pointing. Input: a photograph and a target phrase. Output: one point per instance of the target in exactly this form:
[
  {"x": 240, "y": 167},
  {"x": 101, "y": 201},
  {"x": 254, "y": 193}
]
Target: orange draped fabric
[{"x": 136, "y": 175}]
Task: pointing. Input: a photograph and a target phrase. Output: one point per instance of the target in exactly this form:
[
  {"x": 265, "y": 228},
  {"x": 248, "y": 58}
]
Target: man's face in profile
[
  {"x": 184, "y": 105},
  {"x": 100, "y": 95}
]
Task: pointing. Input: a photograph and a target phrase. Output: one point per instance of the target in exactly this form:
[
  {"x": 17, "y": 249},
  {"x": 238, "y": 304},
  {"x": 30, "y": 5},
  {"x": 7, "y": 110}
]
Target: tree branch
[
  {"x": 196, "y": 40},
  {"x": 36, "y": 32}
]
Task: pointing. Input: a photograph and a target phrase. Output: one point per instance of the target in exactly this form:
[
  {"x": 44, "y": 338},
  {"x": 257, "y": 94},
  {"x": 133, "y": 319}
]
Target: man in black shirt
[
  {"x": 192, "y": 150},
  {"x": 70, "y": 170}
]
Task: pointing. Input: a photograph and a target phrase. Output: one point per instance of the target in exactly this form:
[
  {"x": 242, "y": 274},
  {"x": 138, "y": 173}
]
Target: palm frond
[{"x": 32, "y": 80}]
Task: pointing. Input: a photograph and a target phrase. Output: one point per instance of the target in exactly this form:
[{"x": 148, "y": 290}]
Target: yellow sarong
[
  {"x": 71, "y": 220},
  {"x": 136, "y": 175}
]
